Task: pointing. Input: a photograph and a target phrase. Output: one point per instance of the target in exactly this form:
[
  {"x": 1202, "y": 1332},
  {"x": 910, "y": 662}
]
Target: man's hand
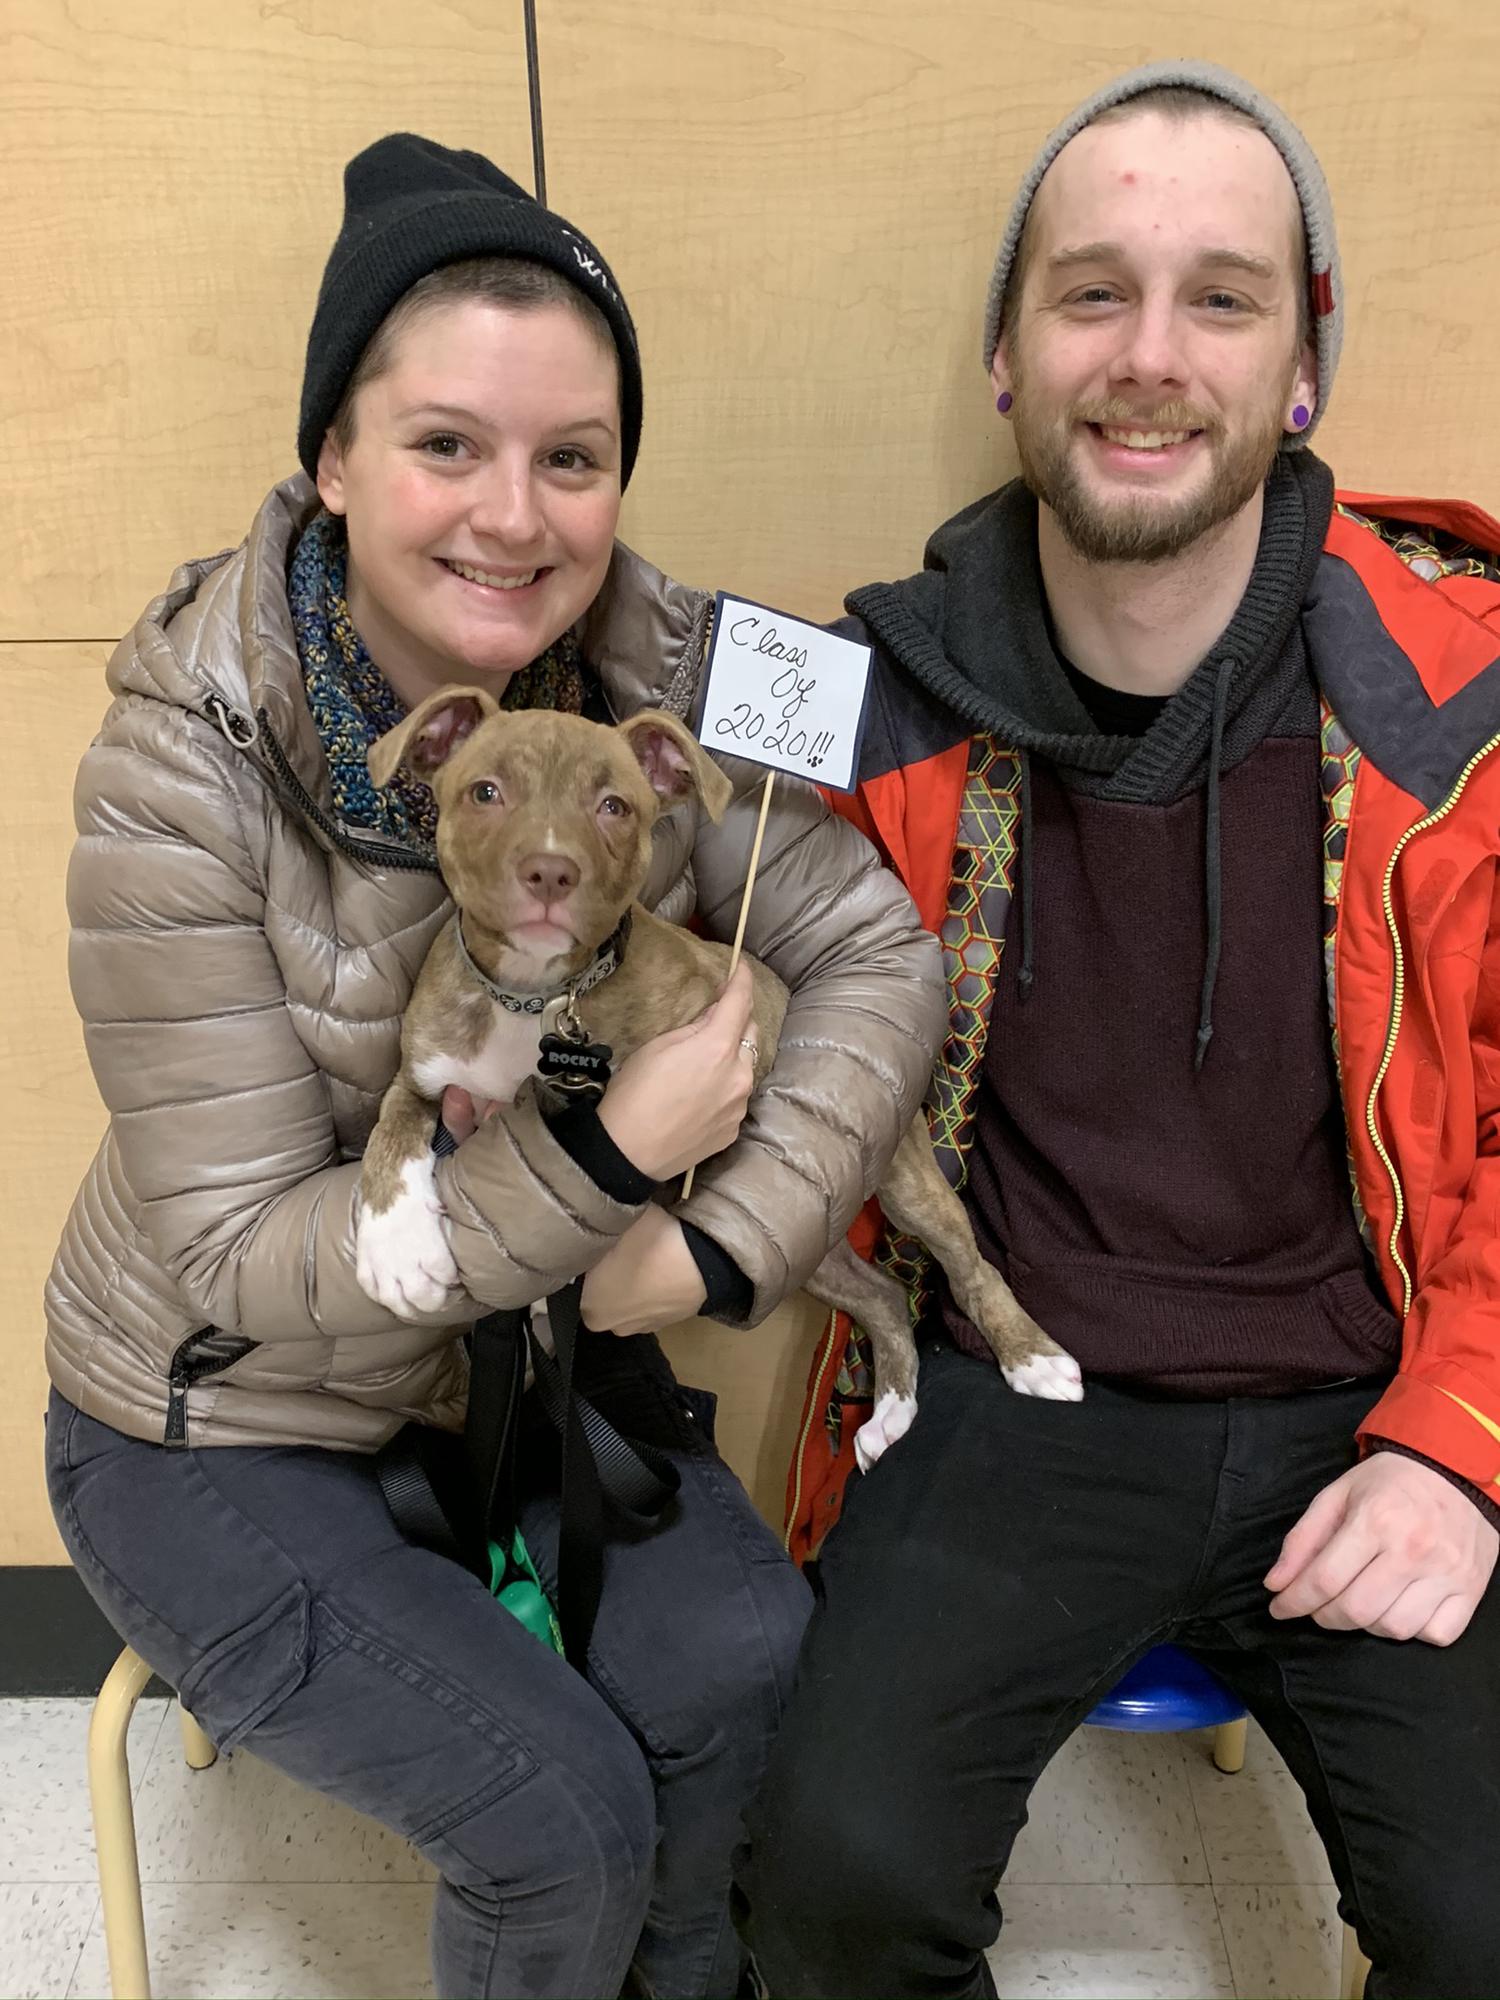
[
  {"x": 1390, "y": 1547},
  {"x": 647, "y": 1281}
]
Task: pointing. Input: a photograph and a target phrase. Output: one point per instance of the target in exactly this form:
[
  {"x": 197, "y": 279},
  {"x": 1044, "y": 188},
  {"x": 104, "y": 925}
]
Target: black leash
[
  {"x": 459, "y": 1503},
  {"x": 454, "y": 1494},
  {"x": 600, "y": 1469},
  {"x": 458, "y": 1496}
]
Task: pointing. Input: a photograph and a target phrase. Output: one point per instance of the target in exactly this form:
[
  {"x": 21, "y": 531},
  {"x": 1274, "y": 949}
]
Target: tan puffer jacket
[{"x": 241, "y": 964}]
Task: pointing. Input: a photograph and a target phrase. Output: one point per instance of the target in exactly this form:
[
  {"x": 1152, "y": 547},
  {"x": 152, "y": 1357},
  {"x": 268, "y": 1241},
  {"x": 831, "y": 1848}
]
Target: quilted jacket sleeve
[
  {"x": 220, "y": 1117},
  {"x": 866, "y": 1016}
]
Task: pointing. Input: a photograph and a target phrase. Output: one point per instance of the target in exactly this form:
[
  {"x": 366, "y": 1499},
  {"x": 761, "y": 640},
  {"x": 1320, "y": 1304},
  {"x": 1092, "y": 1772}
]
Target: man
[{"x": 1157, "y": 727}]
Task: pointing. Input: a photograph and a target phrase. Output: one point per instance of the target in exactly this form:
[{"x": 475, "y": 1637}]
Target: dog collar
[{"x": 607, "y": 959}]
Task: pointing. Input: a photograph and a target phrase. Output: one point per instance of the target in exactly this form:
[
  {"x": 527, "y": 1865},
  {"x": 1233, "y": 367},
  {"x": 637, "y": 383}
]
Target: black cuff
[
  {"x": 1488, "y": 1507},
  {"x": 580, "y": 1132},
  {"x": 730, "y": 1292}
]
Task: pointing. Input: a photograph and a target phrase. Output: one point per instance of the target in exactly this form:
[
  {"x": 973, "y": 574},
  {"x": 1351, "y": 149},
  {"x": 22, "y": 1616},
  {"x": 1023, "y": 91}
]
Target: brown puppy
[{"x": 544, "y": 838}]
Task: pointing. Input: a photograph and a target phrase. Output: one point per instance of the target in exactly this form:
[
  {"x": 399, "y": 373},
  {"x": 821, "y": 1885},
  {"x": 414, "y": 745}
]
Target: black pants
[{"x": 993, "y": 1577}]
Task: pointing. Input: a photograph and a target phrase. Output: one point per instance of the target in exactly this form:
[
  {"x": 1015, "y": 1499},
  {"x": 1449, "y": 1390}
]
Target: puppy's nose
[{"x": 549, "y": 877}]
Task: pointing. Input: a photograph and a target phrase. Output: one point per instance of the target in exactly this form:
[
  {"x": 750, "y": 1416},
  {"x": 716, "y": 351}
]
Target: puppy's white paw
[
  {"x": 1056, "y": 1378},
  {"x": 403, "y": 1259},
  {"x": 891, "y": 1421}
]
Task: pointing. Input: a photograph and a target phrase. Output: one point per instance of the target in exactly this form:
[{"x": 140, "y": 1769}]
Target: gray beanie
[{"x": 1325, "y": 282}]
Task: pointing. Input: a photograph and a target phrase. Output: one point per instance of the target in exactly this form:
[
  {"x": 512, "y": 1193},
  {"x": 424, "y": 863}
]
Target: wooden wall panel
[
  {"x": 171, "y": 176},
  {"x": 760, "y": 1379},
  {"x": 54, "y": 698},
  {"x": 803, "y": 202},
  {"x": 802, "y": 199}
]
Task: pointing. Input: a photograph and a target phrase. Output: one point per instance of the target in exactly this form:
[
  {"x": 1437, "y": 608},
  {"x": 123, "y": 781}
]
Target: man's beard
[{"x": 1138, "y": 528}]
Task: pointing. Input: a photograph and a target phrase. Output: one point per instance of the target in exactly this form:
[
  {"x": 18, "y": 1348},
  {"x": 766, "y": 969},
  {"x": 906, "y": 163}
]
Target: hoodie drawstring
[
  {"x": 1213, "y": 887},
  {"x": 1028, "y": 902}
]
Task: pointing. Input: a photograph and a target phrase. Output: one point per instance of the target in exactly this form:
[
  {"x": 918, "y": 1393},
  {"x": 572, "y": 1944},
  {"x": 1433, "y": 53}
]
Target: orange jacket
[{"x": 1407, "y": 654}]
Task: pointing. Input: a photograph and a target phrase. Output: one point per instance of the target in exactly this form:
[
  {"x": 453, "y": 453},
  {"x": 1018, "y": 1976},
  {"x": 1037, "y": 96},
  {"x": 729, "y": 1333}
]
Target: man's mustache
[{"x": 1119, "y": 415}]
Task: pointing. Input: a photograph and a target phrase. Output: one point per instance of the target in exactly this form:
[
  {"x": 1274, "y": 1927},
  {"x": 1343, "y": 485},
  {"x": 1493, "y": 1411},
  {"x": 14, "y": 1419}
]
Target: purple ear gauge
[
  {"x": 1004, "y": 400},
  {"x": 1301, "y": 417}
]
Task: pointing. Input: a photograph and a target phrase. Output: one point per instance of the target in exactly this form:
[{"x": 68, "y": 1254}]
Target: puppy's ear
[
  {"x": 431, "y": 733},
  {"x": 675, "y": 762}
]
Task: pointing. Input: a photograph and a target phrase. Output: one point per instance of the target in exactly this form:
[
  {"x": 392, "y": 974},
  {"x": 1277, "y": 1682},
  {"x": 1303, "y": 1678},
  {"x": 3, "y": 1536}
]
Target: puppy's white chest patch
[{"x": 500, "y": 1067}]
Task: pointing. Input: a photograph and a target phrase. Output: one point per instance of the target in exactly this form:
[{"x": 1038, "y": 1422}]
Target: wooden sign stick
[{"x": 739, "y": 929}]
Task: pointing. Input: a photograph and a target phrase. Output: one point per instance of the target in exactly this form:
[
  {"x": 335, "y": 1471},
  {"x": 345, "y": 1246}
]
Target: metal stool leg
[
  {"x": 1353, "y": 1968},
  {"x": 200, "y": 1750},
  {"x": 1229, "y": 1744},
  {"x": 114, "y": 1827}
]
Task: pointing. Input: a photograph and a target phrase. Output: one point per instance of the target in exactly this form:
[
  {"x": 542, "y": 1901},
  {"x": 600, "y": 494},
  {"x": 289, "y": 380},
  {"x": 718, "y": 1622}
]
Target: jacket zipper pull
[
  {"x": 177, "y": 1388},
  {"x": 240, "y": 730}
]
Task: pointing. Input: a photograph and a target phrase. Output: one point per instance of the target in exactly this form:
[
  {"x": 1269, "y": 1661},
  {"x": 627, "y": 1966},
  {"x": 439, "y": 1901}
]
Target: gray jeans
[{"x": 582, "y": 1829}]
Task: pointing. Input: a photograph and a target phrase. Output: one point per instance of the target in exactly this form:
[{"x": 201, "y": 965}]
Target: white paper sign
[{"x": 784, "y": 693}]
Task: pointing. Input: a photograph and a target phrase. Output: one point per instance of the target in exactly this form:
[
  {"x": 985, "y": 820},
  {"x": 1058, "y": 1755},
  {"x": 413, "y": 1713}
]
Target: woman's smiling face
[{"x": 481, "y": 491}]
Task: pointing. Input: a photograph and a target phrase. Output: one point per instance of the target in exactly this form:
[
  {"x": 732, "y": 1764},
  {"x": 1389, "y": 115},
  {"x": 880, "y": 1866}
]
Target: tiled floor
[{"x": 1143, "y": 1872}]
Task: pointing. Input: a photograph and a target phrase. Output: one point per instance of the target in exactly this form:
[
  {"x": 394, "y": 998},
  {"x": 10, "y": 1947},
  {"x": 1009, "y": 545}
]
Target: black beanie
[{"x": 411, "y": 205}]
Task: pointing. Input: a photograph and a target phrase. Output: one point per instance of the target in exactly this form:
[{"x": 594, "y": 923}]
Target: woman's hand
[
  {"x": 463, "y": 1115},
  {"x": 646, "y": 1281},
  {"x": 681, "y": 1097}
]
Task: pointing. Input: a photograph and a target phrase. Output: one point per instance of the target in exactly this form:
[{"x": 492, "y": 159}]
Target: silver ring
[{"x": 752, "y": 1047}]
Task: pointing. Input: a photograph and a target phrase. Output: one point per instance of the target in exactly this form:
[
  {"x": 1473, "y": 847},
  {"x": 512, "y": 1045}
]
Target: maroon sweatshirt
[{"x": 1159, "y": 1162}]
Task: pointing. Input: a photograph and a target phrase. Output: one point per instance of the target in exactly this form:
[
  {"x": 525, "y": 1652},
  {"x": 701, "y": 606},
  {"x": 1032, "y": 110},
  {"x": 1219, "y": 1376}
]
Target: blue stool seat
[{"x": 1167, "y": 1690}]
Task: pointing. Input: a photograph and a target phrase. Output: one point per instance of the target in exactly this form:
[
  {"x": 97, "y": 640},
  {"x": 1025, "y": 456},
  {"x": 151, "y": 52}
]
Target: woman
[{"x": 249, "y": 917}]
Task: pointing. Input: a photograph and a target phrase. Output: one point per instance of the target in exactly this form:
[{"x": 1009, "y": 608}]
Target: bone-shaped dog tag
[{"x": 580, "y": 1070}]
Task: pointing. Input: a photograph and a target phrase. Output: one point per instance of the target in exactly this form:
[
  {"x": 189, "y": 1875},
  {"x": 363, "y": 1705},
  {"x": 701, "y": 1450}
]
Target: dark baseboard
[{"x": 54, "y": 1639}]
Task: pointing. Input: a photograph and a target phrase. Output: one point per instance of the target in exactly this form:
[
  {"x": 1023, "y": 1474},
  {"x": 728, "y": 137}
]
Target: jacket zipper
[
  {"x": 204, "y": 1353},
  {"x": 242, "y": 732},
  {"x": 795, "y": 1506},
  {"x": 1398, "y": 1002}
]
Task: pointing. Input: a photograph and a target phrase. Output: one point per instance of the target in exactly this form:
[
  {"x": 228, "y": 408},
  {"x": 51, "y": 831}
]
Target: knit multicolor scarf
[{"x": 352, "y": 703}]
